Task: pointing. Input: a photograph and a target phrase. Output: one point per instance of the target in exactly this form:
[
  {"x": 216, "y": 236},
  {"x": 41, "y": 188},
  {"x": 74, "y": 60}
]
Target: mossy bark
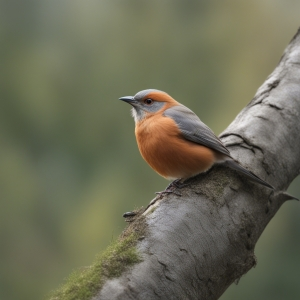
[{"x": 83, "y": 284}]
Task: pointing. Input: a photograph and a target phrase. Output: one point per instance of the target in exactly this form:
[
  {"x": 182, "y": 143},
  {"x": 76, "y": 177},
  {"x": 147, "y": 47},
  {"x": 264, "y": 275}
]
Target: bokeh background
[{"x": 69, "y": 164}]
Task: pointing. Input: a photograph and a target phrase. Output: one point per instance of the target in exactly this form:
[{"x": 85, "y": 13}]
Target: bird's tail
[{"x": 236, "y": 166}]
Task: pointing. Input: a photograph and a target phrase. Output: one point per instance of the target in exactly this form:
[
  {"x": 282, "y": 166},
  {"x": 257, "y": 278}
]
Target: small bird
[{"x": 174, "y": 141}]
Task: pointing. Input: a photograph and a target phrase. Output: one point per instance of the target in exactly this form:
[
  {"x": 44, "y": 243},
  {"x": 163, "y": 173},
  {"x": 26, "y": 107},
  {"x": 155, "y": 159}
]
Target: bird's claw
[
  {"x": 171, "y": 188},
  {"x": 166, "y": 191}
]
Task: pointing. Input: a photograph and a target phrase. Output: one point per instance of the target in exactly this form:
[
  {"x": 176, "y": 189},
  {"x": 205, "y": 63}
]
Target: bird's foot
[
  {"x": 168, "y": 192},
  {"x": 177, "y": 183},
  {"x": 171, "y": 188}
]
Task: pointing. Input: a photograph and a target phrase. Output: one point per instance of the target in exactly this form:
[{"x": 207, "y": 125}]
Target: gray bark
[{"x": 199, "y": 243}]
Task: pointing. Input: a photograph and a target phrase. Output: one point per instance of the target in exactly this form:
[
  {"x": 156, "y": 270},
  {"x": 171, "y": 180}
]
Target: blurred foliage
[{"x": 69, "y": 165}]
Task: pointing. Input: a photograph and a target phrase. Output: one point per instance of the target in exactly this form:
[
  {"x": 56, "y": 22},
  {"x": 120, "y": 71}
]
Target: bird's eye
[{"x": 148, "y": 101}]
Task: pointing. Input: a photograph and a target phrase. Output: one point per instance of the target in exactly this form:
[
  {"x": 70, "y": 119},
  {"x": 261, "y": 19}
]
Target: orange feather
[{"x": 167, "y": 152}]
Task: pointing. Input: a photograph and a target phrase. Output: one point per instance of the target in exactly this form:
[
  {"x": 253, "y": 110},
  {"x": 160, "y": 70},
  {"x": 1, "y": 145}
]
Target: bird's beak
[{"x": 128, "y": 99}]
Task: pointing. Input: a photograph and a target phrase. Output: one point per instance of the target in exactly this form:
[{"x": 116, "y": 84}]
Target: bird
[{"x": 174, "y": 141}]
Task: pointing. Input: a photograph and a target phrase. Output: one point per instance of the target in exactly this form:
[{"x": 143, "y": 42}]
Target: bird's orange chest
[
  {"x": 165, "y": 149},
  {"x": 153, "y": 133}
]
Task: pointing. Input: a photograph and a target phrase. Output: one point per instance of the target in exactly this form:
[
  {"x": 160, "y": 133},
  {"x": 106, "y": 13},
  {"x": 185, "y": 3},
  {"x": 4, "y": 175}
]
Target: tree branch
[
  {"x": 195, "y": 243},
  {"x": 199, "y": 243}
]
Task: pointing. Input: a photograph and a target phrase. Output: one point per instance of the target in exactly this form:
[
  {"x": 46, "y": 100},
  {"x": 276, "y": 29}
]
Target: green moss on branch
[{"x": 85, "y": 283}]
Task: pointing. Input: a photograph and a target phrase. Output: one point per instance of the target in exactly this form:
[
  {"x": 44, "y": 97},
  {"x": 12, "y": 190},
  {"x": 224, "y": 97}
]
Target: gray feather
[
  {"x": 193, "y": 129},
  {"x": 236, "y": 166}
]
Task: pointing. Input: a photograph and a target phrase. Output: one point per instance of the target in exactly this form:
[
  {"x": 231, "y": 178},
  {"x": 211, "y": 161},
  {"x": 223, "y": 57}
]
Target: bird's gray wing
[{"x": 193, "y": 129}]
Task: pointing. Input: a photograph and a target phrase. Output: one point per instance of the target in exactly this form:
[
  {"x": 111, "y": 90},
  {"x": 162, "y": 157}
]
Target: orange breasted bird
[{"x": 174, "y": 141}]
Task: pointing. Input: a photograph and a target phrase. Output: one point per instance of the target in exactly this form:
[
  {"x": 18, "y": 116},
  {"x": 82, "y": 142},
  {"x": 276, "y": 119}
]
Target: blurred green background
[{"x": 69, "y": 164}]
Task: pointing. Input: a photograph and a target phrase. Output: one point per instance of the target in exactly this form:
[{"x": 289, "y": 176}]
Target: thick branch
[{"x": 198, "y": 243}]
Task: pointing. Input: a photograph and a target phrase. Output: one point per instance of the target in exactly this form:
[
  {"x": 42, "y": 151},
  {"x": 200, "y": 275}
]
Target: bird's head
[{"x": 147, "y": 102}]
